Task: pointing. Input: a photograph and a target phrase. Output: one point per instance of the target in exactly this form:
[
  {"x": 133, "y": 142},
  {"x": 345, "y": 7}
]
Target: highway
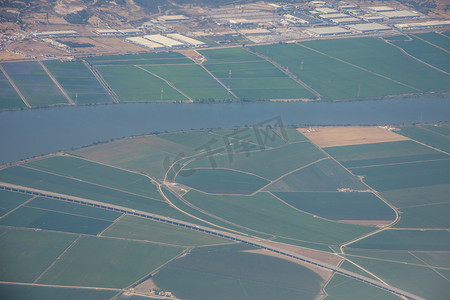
[{"x": 256, "y": 242}]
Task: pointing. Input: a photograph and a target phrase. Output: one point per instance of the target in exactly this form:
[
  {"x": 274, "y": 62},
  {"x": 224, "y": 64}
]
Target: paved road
[{"x": 256, "y": 242}]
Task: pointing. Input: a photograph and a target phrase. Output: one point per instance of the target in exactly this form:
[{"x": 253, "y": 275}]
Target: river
[{"x": 34, "y": 132}]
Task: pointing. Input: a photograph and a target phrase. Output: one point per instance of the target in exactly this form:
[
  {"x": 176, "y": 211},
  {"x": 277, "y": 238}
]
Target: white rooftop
[
  {"x": 334, "y": 16},
  {"x": 144, "y": 42},
  {"x": 381, "y": 8},
  {"x": 399, "y": 14},
  {"x": 328, "y": 30},
  {"x": 368, "y": 27},
  {"x": 326, "y": 10},
  {"x": 185, "y": 39},
  {"x": 163, "y": 40}
]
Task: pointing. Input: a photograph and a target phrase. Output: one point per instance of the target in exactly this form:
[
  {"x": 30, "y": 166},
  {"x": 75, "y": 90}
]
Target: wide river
[{"x": 33, "y": 132}]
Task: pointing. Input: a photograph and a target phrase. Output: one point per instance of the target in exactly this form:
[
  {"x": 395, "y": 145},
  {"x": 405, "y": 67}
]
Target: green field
[
  {"x": 416, "y": 174},
  {"x": 430, "y": 216},
  {"x": 220, "y": 181},
  {"x": 29, "y": 217},
  {"x": 265, "y": 213},
  {"x": 426, "y": 53},
  {"x": 251, "y": 77},
  {"x": 344, "y": 288},
  {"x": 34, "y": 84},
  {"x": 333, "y": 79},
  {"x": 10, "y": 99},
  {"x": 421, "y": 281},
  {"x": 218, "y": 273},
  {"x": 99, "y": 174},
  {"x": 383, "y": 153},
  {"x": 382, "y": 58},
  {"x": 105, "y": 262},
  {"x": 427, "y": 136},
  {"x": 53, "y": 183},
  {"x": 132, "y": 84},
  {"x": 139, "y": 59},
  {"x": 192, "y": 80},
  {"x": 414, "y": 240},
  {"x": 417, "y": 196},
  {"x": 19, "y": 292},
  {"x": 269, "y": 164},
  {"x": 78, "y": 81},
  {"x": 147, "y": 230},
  {"x": 324, "y": 175},
  {"x": 10, "y": 200},
  {"x": 398, "y": 256},
  {"x": 436, "y": 39},
  {"x": 74, "y": 209},
  {"x": 25, "y": 254},
  {"x": 339, "y": 206}
]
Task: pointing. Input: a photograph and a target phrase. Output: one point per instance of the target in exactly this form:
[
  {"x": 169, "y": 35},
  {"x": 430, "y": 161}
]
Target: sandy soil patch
[
  {"x": 325, "y": 257},
  {"x": 378, "y": 223},
  {"x": 193, "y": 54},
  {"x": 350, "y": 135}
]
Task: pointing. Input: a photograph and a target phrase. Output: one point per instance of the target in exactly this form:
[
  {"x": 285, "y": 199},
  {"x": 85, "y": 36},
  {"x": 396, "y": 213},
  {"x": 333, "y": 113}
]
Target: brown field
[
  {"x": 349, "y": 135},
  {"x": 378, "y": 223}
]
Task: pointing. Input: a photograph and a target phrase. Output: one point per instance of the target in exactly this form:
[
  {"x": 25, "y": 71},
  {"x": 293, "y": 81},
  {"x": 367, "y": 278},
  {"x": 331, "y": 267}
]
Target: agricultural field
[
  {"x": 251, "y": 77},
  {"x": 78, "y": 82},
  {"x": 377, "y": 56},
  {"x": 367, "y": 205},
  {"x": 333, "y": 79},
  {"x": 435, "y": 136},
  {"x": 426, "y": 52},
  {"x": 436, "y": 39},
  {"x": 10, "y": 99},
  {"x": 34, "y": 83},
  {"x": 223, "y": 273}
]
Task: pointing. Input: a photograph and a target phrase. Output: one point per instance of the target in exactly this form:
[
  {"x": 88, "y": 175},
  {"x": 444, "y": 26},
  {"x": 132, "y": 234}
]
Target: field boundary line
[
  {"x": 428, "y": 42},
  {"x": 399, "y": 163},
  {"x": 358, "y": 67},
  {"x": 286, "y": 72},
  {"x": 102, "y": 81},
  {"x": 166, "y": 81},
  {"x": 430, "y": 266},
  {"x": 435, "y": 132},
  {"x": 88, "y": 182},
  {"x": 157, "y": 269},
  {"x": 15, "y": 86},
  {"x": 61, "y": 89},
  {"x": 62, "y": 286},
  {"x": 437, "y": 149},
  {"x": 58, "y": 258},
  {"x": 415, "y": 58},
  {"x": 288, "y": 173},
  {"x": 66, "y": 213},
  {"x": 365, "y": 270},
  {"x": 112, "y": 223},
  {"x": 220, "y": 82},
  {"x": 16, "y": 208}
]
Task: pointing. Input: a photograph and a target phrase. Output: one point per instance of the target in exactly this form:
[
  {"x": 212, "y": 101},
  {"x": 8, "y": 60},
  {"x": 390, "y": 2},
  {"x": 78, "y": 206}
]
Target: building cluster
[{"x": 263, "y": 22}]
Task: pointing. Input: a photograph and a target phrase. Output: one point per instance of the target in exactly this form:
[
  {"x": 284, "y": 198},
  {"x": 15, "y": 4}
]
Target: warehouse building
[
  {"x": 334, "y": 16},
  {"x": 173, "y": 18},
  {"x": 399, "y": 14},
  {"x": 349, "y": 20},
  {"x": 59, "y": 33},
  {"x": 256, "y": 31},
  {"x": 326, "y": 10},
  {"x": 380, "y": 8},
  {"x": 130, "y": 31},
  {"x": 423, "y": 25},
  {"x": 369, "y": 27},
  {"x": 186, "y": 40},
  {"x": 327, "y": 31},
  {"x": 106, "y": 32},
  {"x": 140, "y": 41},
  {"x": 168, "y": 42}
]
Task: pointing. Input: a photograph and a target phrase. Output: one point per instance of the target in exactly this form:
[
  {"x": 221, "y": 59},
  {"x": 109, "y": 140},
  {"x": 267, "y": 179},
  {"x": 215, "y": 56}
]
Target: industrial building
[
  {"x": 295, "y": 20},
  {"x": 349, "y": 20},
  {"x": 326, "y": 10},
  {"x": 59, "y": 33},
  {"x": 423, "y": 25},
  {"x": 369, "y": 27},
  {"x": 130, "y": 31},
  {"x": 106, "y": 32},
  {"x": 380, "y": 8},
  {"x": 399, "y": 14},
  {"x": 370, "y": 18},
  {"x": 186, "y": 40},
  {"x": 327, "y": 31},
  {"x": 160, "y": 39},
  {"x": 173, "y": 18},
  {"x": 144, "y": 42},
  {"x": 334, "y": 16}
]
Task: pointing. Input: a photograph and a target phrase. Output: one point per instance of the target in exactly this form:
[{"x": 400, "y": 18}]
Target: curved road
[{"x": 256, "y": 242}]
